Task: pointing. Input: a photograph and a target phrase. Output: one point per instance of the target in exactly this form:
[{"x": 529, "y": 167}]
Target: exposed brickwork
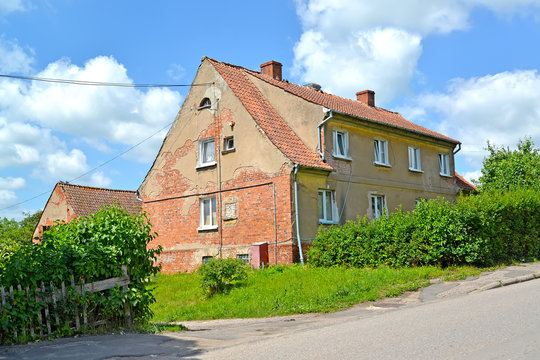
[{"x": 185, "y": 245}]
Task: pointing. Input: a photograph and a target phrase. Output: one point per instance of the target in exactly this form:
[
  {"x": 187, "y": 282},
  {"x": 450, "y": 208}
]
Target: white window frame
[
  {"x": 380, "y": 151},
  {"x": 209, "y": 202},
  {"x": 202, "y": 152},
  {"x": 345, "y": 139},
  {"x": 378, "y": 206},
  {"x": 444, "y": 164},
  {"x": 327, "y": 218},
  {"x": 415, "y": 161},
  {"x": 227, "y": 144}
]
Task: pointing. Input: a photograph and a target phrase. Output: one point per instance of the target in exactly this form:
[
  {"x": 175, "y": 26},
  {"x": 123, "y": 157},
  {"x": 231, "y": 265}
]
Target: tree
[
  {"x": 504, "y": 169},
  {"x": 14, "y": 234}
]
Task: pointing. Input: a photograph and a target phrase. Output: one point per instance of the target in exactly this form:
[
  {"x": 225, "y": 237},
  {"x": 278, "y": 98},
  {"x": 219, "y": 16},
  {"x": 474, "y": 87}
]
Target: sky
[{"x": 466, "y": 68}]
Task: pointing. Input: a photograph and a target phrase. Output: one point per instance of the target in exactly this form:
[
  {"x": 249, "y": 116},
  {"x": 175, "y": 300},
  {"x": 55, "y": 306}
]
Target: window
[
  {"x": 341, "y": 144},
  {"x": 206, "y": 152},
  {"x": 444, "y": 164},
  {"x": 378, "y": 206},
  {"x": 206, "y": 259},
  {"x": 208, "y": 213},
  {"x": 327, "y": 207},
  {"x": 228, "y": 144},
  {"x": 414, "y": 159},
  {"x": 381, "y": 152},
  {"x": 205, "y": 104},
  {"x": 244, "y": 257}
]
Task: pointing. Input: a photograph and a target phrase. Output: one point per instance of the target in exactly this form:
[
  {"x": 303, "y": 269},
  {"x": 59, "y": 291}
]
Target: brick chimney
[
  {"x": 367, "y": 97},
  {"x": 272, "y": 69}
]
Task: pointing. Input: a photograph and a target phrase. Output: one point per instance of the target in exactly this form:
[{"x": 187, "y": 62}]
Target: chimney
[
  {"x": 367, "y": 97},
  {"x": 272, "y": 69}
]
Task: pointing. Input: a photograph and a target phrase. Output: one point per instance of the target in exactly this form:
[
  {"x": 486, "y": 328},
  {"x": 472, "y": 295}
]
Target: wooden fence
[{"x": 50, "y": 297}]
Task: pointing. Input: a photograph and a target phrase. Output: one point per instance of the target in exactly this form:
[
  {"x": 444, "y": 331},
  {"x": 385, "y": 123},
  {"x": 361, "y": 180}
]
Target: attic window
[
  {"x": 228, "y": 145},
  {"x": 205, "y": 104}
]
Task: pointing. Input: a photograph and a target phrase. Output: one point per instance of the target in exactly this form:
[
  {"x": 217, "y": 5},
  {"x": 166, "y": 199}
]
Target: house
[
  {"x": 253, "y": 158},
  {"x": 68, "y": 201}
]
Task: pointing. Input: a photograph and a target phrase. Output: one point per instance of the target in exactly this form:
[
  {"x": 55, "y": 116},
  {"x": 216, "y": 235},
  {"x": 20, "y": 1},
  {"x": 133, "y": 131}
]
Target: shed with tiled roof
[{"x": 68, "y": 201}]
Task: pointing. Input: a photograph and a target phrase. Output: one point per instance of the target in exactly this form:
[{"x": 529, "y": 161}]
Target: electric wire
[
  {"x": 96, "y": 83},
  {"x": 93, "y": 169}
]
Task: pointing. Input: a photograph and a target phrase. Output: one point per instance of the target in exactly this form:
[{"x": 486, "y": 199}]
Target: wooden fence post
[
  {"x": 76, "y": 311},
  {"x": 127, "y": 306},
  {"x": 43, "y": 296}
]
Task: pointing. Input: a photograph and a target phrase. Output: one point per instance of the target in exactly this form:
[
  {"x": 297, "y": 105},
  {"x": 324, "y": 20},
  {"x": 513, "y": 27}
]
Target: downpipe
[{"x": 296, "y": 212}]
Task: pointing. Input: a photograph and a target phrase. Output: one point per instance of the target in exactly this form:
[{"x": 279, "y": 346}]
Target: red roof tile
[
  {"x": 464, "y": 184},
  {"x": 269, "y": 120},
  {"x": 351, "y": 107},
  {"x": 87, "y": 200}
]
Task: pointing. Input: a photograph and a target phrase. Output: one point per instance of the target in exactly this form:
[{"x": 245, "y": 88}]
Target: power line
[
  {"x": 93, "y": 169},
  {"x": 95, "y": 83}
]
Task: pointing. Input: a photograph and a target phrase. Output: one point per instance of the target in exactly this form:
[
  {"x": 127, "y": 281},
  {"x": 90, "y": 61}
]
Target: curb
[{"x": 506, "y": 282}]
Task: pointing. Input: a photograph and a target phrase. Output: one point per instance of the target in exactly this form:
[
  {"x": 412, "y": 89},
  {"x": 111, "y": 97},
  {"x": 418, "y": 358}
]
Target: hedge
[{"x": 484, "y": 230}]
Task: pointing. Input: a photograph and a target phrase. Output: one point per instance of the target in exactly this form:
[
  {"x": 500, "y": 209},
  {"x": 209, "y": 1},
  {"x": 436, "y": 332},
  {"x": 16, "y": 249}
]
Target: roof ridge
[
  {"x": 321, "y": 92},
  {"x": 64, "y": 183},
  {"x": 327, "y": 97},
  {"x": 277, "y": 130}
]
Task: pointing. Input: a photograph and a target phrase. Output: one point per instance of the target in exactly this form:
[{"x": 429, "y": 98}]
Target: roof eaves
[{"x": 396, "y": 126}]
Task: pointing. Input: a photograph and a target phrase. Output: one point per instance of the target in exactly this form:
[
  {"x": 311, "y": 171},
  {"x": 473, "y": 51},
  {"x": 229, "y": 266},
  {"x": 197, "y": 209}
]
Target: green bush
[
  {"x": 219, "y": 275},
  {"x": 486, "y": 229},
  {"x": 90, "y": 248}
]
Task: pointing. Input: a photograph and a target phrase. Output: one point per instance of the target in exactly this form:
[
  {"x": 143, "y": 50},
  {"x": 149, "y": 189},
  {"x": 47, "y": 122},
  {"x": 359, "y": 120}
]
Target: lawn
[{"x": 282, "y": 290}]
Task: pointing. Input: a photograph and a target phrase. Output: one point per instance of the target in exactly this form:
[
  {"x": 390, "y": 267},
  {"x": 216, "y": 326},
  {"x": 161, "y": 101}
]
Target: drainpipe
[
  {"x": 296, "y": 211},
  {"x": 321, "y": 153},
  {"x": 459, "y": 148}
]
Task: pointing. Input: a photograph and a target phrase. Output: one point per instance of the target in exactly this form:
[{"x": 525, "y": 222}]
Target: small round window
[{"x": 205, "y": 104}]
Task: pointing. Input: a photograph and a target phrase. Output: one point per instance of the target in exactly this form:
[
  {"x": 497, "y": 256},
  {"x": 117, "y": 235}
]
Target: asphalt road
[
  {"x": 502, "y": 323},
  {"x": 469, "y": 319}
]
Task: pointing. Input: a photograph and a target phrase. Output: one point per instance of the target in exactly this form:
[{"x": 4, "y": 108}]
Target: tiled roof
[
  {"x": 268, "y": 119},
  {"x": 87, "y": 200},
  {"x": 350, "y": 107},
  {"x": 464, "y": 184}
]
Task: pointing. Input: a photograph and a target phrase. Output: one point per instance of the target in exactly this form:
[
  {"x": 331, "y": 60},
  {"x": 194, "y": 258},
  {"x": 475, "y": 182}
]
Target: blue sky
[{"x": 467, "y": 68}]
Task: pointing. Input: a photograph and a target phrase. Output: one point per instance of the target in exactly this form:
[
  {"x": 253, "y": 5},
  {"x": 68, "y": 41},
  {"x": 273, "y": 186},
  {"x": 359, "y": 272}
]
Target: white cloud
[
  {"x": 118, "y": 115},
  {"x": 62, "y": 166},
  {"x": 383, "y": 60},
  {"x": 7, "y": 198},
  {"x": 348, "y": 46},
  {"x": 23, "y": 144},
  {"x": 501, "y": 108},
  {"x": 11, "y": 183},
  {"x": 472, "y": 175},
  {"x": 176, "y": 71},
  {"x": 9, "y": 6},
  {"x": 13, "y": 58}
]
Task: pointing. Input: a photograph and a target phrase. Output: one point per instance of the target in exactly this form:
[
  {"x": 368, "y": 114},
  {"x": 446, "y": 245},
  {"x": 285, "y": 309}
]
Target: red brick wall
[{"x": 184, "y": 245}]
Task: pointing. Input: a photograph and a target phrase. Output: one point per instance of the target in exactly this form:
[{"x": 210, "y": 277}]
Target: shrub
[
  {"x": 219, "y": 275},
  {"x": 92, "y": 248},
  {"x": 487, "y": 229}
]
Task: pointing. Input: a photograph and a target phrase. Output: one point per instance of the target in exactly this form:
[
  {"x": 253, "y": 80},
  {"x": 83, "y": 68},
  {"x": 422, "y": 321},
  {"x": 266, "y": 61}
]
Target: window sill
[
  {"x": 416, "y": 171},
  {"x": 326, "y": 222},
  {"x": 228, "y": 151},
  {"x": 207, "y": 228},
  {"x": 206, "y": 165},
  {"x": 382, "y": 164},
  {"x": 341, "y": 157},
  {"x": 204, "y": 107},
  {"x": 446, "y": 175}
]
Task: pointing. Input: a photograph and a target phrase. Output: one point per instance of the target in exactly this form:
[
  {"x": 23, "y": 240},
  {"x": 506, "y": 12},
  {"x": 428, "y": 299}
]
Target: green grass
[{"x": 284, "y": 290}]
